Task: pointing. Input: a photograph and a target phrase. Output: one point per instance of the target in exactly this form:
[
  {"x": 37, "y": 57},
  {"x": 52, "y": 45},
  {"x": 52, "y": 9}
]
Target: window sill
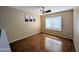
[{"x": 54, "y": 30}]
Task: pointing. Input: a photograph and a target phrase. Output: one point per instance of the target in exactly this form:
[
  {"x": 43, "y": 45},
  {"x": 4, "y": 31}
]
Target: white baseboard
[
  {"x": 24, "y": 37},
  {"x": 66, "y": 37},
  {"x": 28, "y": 36},
  {"x": 60, "y": 36}
]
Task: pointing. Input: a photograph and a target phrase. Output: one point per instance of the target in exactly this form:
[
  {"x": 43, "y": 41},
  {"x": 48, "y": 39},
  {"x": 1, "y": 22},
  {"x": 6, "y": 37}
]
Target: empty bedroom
[{"x": 38, "y": 29}]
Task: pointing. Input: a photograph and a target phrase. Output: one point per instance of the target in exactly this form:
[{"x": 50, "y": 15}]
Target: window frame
[{"x": 52, "y": 28}]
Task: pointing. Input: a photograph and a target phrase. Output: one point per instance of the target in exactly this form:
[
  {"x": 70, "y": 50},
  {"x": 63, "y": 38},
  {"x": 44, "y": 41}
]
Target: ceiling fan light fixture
[{"x": 44, "y": 11}]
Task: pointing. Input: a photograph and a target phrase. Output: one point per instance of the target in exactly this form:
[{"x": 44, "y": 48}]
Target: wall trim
[
  {"x": 34, "y": 34},
  {"x": 24, "y": 37},
  {"x": 58, "y": 36}
]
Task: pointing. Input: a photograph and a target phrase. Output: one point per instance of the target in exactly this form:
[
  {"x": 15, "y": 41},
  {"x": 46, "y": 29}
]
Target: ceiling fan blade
[{"x": 48, "y": 11}]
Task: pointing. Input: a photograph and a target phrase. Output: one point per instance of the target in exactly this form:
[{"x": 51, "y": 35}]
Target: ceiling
[{"x": 36, "y": 9}]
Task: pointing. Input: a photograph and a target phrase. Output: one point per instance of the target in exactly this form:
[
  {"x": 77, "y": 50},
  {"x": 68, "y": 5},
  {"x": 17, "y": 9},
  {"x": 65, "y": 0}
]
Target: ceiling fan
[{"x": 45, "y": 11}]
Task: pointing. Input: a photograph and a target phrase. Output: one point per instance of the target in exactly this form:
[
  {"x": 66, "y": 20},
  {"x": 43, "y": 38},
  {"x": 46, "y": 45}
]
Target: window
[{"x": 53, "y": 23}]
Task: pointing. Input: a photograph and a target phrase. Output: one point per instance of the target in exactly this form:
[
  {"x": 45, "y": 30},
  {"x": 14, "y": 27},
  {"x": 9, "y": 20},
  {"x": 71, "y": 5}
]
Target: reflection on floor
[
  {"x": 43, "y": 43},
  {"x": 53, "y": 45}
]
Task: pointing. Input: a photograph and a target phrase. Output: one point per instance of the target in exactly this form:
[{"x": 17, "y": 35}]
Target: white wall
[
  {"x": 13, "y": 21},
  {"x": 67, "y": 24},
  {"x": 76, "y": 28}
]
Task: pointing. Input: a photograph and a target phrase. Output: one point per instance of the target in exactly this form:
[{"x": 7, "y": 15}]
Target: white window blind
[{"x": 53, "y": 23}]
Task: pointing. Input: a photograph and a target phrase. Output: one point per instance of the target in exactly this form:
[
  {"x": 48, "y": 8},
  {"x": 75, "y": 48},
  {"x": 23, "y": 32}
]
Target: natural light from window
[{"x": 53, "y": 23}]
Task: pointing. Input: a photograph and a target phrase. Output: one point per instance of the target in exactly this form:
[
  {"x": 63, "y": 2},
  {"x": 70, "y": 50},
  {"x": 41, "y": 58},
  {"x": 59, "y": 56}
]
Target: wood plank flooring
[{"x": 43, "y": 43}]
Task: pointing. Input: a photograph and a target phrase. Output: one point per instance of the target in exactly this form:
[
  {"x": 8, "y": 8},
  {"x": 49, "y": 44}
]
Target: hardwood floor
[{"x": 43, "y": 43}]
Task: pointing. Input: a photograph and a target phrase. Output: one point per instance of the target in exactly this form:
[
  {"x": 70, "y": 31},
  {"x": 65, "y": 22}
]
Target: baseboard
[
  {"x": 34, "y": 34},
  {"x": 66, "y": 37},
  {"x": 24, "y": 37},
  {"x": 57, "y": 36}
]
